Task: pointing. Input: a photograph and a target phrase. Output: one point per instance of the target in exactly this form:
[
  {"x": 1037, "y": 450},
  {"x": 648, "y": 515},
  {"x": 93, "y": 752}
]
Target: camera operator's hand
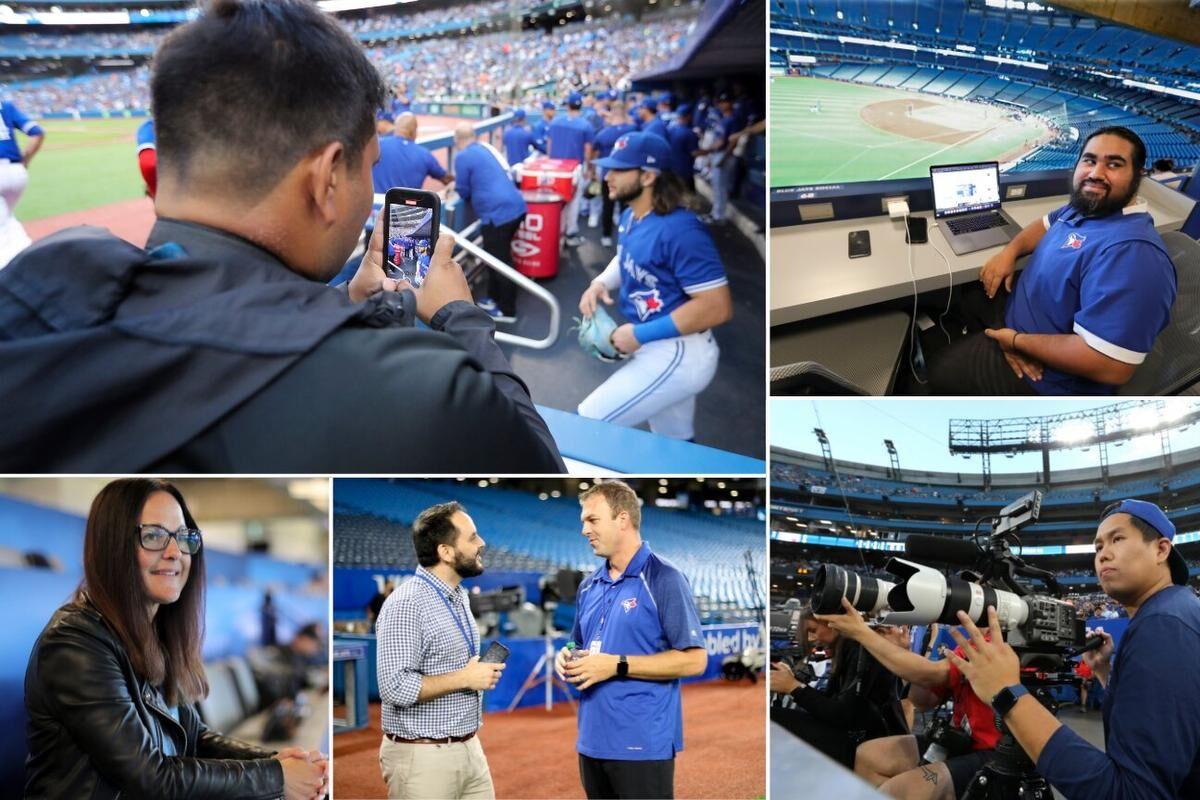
[
  {"x": 781, "y": 678},
  {"x": 850, "y": 624},
  {"x": 988, "y": 666},
  {"x": 1100, "y": 659}
]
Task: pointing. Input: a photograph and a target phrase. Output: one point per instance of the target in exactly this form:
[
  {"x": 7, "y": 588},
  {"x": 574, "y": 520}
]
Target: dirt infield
[
  {"x": 532, "y": 752},
  {"x": 891, "y": 116}
]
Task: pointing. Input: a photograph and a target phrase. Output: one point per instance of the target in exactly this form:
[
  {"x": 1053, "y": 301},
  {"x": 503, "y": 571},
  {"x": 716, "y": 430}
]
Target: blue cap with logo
[
  {"x": 548, "y": 106},
  {"x": 638, "y": 151},
  {"x": 519, "y": 114},
  {"x": 1156, "y": 518},
  {"x": 574, "y": 100}
]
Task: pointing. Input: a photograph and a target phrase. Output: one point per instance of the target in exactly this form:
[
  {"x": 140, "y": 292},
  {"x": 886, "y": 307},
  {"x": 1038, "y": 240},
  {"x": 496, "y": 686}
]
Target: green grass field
[
  {"x": 83, "y": 164},
  {"x": 836, "y": 145}
]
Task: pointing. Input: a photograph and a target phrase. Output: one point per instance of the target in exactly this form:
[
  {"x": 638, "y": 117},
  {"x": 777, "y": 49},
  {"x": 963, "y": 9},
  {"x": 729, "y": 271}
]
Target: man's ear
[{"x": 326, "y": 171}]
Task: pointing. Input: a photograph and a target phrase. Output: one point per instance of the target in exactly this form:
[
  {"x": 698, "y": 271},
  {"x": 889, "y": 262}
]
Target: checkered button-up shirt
[{"x": 417, "y": 635}]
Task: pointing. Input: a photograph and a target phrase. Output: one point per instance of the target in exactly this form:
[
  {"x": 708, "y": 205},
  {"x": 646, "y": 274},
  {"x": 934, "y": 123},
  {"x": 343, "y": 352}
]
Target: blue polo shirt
[
  {"x": 684, "y": 142},
  {"x": 11, "y": 119},
  {"x": 403, "y": 162},
  {"x": 1108, "y": 279},
  {"x": 649, "y": 609},
  {"x": 1151, "y": 713},
  {"x": 518, "y": 144},
  {"x": 664, "y": 260},
  {"x": 567, "y": 137},
  {"x": 483, "y": 182}
]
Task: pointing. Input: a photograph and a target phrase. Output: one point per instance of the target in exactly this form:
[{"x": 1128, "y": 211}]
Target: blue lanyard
[{"x": 462, "y": 626}]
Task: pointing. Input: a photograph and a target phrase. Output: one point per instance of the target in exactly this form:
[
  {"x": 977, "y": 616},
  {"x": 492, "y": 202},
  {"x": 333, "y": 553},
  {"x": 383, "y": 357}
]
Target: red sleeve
[{"x": 148, "y": 164}]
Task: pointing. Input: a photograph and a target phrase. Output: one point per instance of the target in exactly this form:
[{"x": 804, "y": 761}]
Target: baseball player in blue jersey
[
  {"x": 638, "y": 633},
  {"x": 685, "y": 146},
  {"x": 518, "y": 139},
  {"x": 648, "y": 119},
  {"x": 543, "y": 124},
  {"x": 672, "y": 289},
  {"x": 14, "y": 176},
  {"x": 571, "y": 137}
]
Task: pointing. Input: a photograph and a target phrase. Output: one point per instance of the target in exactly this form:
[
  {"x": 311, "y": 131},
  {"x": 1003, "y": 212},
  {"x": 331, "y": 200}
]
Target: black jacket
[
  {"x": 96, "y": 729},
  {"x": 207, "y": 354},
  {"x": 861, "y": 696}
]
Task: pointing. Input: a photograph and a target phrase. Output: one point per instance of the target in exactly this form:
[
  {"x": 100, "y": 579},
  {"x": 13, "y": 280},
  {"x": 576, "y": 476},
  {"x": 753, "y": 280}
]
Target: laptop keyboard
[{"x": 978, "y": 223}]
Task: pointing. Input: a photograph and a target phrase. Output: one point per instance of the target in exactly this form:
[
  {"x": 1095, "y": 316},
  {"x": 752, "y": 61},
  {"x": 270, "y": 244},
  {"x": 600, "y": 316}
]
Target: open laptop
[{"x": 966, "y": 199}]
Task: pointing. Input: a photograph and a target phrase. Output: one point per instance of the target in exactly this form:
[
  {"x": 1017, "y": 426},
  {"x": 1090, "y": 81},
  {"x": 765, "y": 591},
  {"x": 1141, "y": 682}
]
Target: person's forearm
[
  {"x": 611, "y": 277},
  {"x": 668, "y": 665},
  {"x": 705, "y": 310},
  {"x": 35, "y": 144},
  {"x": 1068, "y": 352},
  {"x": 1031, "y": 725},
  {"x": 434, "y": 686},
  {"x": 905, "y": 664}
]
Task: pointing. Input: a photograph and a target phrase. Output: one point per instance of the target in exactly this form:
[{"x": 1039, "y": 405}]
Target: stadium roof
[{"x": 740, "y": 48}]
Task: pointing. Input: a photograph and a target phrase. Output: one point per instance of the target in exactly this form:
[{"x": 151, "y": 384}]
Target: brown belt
[{"x": 443, "y": 740}]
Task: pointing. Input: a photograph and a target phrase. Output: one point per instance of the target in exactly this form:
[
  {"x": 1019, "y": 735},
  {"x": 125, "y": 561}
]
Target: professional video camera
[{"x": 1043, "y": 630}]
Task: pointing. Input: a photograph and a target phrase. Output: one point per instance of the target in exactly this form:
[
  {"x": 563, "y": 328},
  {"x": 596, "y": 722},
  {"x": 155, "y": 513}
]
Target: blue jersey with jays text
[
  {"x": 11, "y": 119},
  {"x": 1108, "y": 279},
  {"x": 647, "y": 609},
  {"x": 664, "y": 259},
  {"x": 567, "y": 136}
]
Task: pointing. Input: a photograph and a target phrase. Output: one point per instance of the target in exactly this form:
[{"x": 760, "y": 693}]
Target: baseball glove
[{"x": 595, "y": 336}]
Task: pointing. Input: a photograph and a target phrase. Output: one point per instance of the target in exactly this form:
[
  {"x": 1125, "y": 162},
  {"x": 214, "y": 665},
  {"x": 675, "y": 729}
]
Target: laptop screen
[{"x": 964, "y": 188}]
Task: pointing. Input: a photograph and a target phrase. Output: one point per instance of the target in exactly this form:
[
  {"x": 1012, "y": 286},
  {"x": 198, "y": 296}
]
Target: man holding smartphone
[
  {"x": 431, "y": 680},
  {"x": 218, "y": 347},
  {"x": 1152, "y": 703},
  {"x": 639, "y": 633}
]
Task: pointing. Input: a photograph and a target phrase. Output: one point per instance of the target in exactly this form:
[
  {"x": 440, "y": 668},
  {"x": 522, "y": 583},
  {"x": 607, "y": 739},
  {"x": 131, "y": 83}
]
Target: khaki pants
[{"x": 436, "y": 771}]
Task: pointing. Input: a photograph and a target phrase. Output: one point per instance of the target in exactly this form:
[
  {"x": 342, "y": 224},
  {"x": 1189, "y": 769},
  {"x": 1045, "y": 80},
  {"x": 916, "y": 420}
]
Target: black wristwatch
[
  {"x": 622, "y": 667},
  {"x": 1007, "y": 697}
]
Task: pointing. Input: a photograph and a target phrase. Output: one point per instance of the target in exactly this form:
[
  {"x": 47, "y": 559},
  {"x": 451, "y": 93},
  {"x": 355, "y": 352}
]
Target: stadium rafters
[{"x": 1085, "y": 428}]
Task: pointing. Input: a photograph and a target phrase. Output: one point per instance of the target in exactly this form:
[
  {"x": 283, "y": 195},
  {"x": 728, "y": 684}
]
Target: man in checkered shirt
[{"x": 430, "y": 678}]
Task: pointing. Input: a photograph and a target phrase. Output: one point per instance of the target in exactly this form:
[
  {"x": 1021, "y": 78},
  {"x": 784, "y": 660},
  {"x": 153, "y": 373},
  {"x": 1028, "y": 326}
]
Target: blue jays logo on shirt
[
  {"x": 646, "y": 303},
  {"x": 629, "y": 604},
  {"x": 1074, "y": 241}
]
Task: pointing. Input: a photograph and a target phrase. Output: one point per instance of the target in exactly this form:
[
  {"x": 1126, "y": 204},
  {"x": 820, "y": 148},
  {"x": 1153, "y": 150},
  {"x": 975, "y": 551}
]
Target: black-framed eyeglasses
[{"x": 156, "y": 537}]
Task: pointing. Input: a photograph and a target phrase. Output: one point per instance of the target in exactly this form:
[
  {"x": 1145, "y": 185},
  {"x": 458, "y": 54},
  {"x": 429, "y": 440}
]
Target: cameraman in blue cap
[{"x": 1152, "y": 703}]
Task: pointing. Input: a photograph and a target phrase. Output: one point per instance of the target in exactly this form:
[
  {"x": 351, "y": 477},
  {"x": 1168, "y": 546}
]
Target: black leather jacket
[{"x": 96, "y": 728}]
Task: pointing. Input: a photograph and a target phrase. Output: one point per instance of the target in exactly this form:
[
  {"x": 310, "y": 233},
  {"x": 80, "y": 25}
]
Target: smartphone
[
  {"x": 917, "y": 231},
  {"x": 496, "y": 653},
  {"x": 860, "y": 244},
  {"x": 410, "y": 231}
]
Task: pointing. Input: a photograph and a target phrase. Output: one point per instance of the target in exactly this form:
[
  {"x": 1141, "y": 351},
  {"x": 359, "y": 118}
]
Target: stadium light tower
[
  {"x": 1092, "y": 427},
  {"x": 826, "y": 452},
  {"x": 893, "y": 457}
]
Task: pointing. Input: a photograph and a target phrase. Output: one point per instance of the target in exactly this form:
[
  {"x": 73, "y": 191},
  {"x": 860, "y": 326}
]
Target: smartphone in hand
[{"x": 410, "y": 232}]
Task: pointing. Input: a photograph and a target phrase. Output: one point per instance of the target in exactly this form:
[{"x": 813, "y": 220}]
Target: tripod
[
  {"x": 1010, "y": 774},
  {"x": 542, "y": 673}
]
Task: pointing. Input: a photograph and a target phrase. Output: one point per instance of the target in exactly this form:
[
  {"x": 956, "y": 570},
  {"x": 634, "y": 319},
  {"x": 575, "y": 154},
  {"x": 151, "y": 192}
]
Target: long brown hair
[
  {"x": 669, "y": 193},
  {"x": 165, "y": 651}
]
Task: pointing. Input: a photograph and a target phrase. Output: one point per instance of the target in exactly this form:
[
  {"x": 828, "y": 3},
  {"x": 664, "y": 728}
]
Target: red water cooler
[
  {"x": 535, "y": 244},
  {"x": 561, "y": 175}
]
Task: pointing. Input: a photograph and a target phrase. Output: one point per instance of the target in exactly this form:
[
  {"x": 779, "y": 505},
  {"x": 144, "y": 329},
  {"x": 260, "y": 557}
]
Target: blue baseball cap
[
  {"x": 650, "y": 104},
  {"x": 665, "y": 97},
  {"x": 638, "y": 151},
  {"x": 548, "y": 106},
  {"x": 575, "y": 99},
  {"x": 1156, "y": 518},
  {"x": 684, "y": 110},
  {"x": 519, "y": 114},
  {"x": 613, "y": 94}
]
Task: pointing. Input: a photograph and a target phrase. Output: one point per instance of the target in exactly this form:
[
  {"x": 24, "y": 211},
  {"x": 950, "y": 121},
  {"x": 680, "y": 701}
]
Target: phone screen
[{"x": 409, "y": 245}]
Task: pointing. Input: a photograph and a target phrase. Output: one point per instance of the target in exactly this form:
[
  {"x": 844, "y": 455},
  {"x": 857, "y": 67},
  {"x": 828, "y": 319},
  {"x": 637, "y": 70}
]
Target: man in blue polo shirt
[
  {"x": 403, "y": 162},
  {"x": 638, "y": 633},
  {"x": 484, "y": 182},
  {"x": 518, "y": 140},
  {"x": 570, "y": 137},
  {"x": 1152, "y": 700},
  {"x": 1094, "y": 295}
]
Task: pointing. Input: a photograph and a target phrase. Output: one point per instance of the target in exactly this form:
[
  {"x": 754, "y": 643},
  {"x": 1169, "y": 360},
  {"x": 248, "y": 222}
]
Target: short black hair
[
  {"x": 1120, "y": 131},
  {"x": 1164, "y": 165},
  {"x": 255, "y": 85},
  {"x": 1148, "y": 531},
  {"x": 433, "y": 527}
]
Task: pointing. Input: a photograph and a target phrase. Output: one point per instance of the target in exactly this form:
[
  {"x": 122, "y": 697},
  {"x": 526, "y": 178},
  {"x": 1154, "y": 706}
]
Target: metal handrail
[{"x": 463, "y": 239}]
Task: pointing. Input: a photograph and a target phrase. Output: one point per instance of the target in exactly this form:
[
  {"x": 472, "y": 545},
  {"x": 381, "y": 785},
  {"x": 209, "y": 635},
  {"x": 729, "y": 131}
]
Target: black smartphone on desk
[
  {"x": 860, "y": 244},
  {"x": 917, "y": 231}
]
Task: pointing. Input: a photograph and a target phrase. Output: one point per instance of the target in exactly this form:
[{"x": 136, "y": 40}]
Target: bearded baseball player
[{"x": 673, "y": 290}]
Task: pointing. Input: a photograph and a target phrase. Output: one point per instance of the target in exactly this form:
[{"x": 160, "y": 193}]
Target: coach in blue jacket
[
  {"x": 638, "y": 628},
  {"x": 1152, "y": 703}
]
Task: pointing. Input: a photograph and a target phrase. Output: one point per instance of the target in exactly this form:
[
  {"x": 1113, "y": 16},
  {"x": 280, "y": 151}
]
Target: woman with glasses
[{"x": 112, "y": 680}]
